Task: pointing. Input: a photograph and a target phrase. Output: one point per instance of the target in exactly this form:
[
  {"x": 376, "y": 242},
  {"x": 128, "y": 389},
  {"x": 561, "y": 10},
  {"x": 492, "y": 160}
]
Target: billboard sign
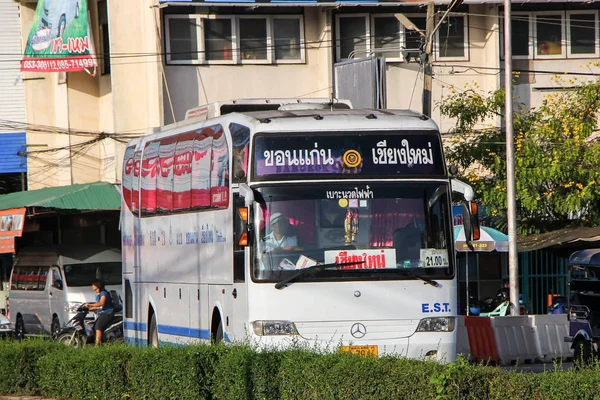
[
  {"x": 60, "y": 39},
  {"x": 11, "y": 226}
]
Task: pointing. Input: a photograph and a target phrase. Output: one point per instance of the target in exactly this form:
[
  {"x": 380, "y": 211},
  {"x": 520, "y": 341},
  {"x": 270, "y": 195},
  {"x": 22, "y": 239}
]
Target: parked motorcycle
[
  {"x": 496, "y": 306},
  {"x": 79, "y": 331}
]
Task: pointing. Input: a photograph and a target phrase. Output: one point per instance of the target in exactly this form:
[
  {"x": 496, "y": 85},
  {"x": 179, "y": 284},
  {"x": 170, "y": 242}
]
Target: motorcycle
[{"x": 79, "y": 331}]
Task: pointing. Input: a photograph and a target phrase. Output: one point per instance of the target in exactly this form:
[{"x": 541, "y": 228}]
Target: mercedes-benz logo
[{"x": 358, "y": 330}]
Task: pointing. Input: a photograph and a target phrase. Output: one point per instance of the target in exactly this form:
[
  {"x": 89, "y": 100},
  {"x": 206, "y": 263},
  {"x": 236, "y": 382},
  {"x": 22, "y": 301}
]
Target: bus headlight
[
  {"x": 436, "y": 324},
  {"x": 5, "y": 326},
  {"x": 72, "y": 306},
  {"x": 270, "y": 328}
]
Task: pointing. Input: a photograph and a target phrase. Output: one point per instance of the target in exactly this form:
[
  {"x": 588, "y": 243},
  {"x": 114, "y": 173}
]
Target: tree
[{"x": 557, "y": 157}]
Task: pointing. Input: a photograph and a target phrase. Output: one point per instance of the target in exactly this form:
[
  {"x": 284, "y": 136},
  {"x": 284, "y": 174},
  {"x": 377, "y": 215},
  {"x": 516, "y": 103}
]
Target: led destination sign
[{"x": 364, "y": 154}]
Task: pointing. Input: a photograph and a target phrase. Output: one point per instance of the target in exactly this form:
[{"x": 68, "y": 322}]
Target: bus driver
[{"x": 280, "y": 237}]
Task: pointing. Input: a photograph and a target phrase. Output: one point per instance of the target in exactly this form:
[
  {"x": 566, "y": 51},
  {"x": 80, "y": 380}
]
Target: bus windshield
[{"x": 377, "y": 231}]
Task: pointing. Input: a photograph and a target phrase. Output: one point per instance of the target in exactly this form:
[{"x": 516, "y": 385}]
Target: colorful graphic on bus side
[{"x": 183, "y": 172}]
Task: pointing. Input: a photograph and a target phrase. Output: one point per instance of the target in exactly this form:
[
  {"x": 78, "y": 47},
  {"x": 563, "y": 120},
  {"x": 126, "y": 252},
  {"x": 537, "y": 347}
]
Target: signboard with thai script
[
  {"x": 376, "y": 155},
  {"x": 365, "y": 259},
  {"x": 11, "y": 226},
  {"x": 60, "y": 38}
]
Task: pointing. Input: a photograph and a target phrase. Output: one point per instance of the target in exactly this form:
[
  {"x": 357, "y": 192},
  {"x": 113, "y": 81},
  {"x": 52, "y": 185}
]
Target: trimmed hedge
[{"x": 50, "y": 369}]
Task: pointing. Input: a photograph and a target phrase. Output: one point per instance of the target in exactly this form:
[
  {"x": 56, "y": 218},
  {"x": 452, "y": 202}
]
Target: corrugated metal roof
[
  {"x": 87, "y": 196},
  {"x": 10, "y": 146},
  {"x": 566, "y": 238},
  {"x": 12, "y": 87}
]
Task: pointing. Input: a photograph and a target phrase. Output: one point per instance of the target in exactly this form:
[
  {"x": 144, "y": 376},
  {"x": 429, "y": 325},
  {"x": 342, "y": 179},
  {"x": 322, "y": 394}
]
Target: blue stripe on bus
[
  {"x": 136, "y": 326},
  {"x": 183, "y": 331},
  {"x": 135, "y": 341},
  {"x": 171, "y": 330}
]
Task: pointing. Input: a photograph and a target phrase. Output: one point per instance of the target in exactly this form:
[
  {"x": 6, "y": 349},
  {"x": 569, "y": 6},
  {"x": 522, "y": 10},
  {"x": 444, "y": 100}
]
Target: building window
[
  {"x": 554, "y": 34},
  {"x": 104, "y": 36},
  {"x": 360, "y": 35},
  {"x": 182, "y": 32},
  {"x": 253, "y": 39},
  {"x": 386, "y": 36},
  {"x": 582, "y": 33},
  {"x": 197, "y": 39},
  {"x": 413, "y": 39},
  {"x": 520, "y": 39},
  {"x": 288, "y": 38},
  {"x": 218, "y": 39},
  {"x": 352, "y": 36},
  {"x": 549, "y": 35},
  {"x": 452, "y": 38}
]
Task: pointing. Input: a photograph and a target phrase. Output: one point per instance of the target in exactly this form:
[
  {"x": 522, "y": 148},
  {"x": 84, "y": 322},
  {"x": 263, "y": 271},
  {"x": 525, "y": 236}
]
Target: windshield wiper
[
  {"x": 304, "y": 271},
  {"x": 429, "y": 281}
]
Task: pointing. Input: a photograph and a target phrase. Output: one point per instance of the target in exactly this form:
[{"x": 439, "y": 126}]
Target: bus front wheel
[
  {"x": 219, "y": 334},
  {"x": 582, "y": 354},
  {"x": 153, "y": 333}
]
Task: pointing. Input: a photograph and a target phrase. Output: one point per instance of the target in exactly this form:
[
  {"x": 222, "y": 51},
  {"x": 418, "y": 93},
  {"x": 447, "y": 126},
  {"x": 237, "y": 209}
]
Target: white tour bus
[{"x": 324, "y": 227}]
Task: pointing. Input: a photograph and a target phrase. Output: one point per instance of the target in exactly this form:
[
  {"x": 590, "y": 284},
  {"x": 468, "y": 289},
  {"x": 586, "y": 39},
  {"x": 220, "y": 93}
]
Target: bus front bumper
[{"x": 438, "y": 346}]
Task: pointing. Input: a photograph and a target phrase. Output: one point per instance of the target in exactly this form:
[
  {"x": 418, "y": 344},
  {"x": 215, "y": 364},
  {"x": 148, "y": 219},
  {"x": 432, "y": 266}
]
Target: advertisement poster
[
  {"x": 219, "y": 171},
  {"x": 201, "y": 168},
  {"x": 128, "y": 164},
  {"x": 11, "y": 226},
  {"x": 148, "y": 186},
  {"x": 182, "y": 179},
  {"x": 60, "y": 38},
  {"x": 164, "y": 186}
]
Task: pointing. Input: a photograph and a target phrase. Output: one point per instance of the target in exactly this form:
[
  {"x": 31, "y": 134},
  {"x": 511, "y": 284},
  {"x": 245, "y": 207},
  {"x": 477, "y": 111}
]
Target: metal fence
[{"x": 543, "y": 273}]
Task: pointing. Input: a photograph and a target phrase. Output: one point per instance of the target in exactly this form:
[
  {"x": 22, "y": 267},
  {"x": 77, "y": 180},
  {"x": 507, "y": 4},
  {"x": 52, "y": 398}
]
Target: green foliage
[
  {"x": 236, "y": 372},
  {"x": 90, "y": 373},
  {"x": 19, "y": 370},
  {"x": 557, "y": 162}
]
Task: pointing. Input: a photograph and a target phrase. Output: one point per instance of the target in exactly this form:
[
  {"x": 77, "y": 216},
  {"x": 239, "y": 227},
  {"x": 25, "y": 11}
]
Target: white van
[
  {"x": 48, "y": 284},
  {"x": 57, "y": 14}
]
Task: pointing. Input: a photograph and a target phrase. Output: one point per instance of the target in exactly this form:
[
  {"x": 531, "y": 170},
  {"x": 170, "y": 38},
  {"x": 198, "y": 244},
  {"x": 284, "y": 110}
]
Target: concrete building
[
  {"x": 13, "y": 167},
  {"x": 159, "y": 58}
]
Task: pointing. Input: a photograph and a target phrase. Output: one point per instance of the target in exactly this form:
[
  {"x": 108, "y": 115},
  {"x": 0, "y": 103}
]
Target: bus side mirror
[{"x": 471, "y": 221}]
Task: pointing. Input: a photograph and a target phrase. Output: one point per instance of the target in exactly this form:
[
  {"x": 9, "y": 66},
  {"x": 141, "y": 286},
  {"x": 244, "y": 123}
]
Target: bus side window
[{"x": 239, "y": 274}]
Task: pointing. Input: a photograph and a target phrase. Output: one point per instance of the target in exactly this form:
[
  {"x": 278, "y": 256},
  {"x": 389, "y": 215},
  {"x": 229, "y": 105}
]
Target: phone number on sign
[{"x": 58, "y": 65}]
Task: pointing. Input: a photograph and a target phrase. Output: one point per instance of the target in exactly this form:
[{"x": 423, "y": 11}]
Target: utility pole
[
  {"x": 427, "y": 69},
  {"x": 511, "y": 193},
  {"x": 426, "y": 50}
]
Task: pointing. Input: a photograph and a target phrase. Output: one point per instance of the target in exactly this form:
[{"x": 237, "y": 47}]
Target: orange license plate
[{"x": 362, "y": 350}]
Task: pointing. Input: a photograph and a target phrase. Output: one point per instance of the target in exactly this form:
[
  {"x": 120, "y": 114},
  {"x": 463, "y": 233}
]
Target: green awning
[{"x": 86, "y": 196}]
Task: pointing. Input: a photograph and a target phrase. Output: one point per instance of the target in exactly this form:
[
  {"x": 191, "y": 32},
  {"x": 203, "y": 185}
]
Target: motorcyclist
[{"x": 106, "y": 309}]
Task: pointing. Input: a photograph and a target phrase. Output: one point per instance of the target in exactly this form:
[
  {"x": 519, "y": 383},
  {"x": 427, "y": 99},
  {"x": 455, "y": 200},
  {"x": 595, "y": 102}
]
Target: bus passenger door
[{"x": 237, "y": 326}]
